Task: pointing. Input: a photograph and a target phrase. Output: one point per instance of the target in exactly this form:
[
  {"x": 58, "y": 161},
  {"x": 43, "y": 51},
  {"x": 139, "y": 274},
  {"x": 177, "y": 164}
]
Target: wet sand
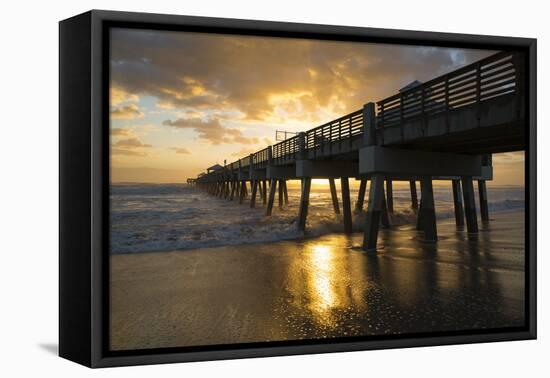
[{"x": 321, "y": 287}]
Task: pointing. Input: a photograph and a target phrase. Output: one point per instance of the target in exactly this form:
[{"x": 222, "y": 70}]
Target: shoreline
[
  {"x": 305, "y": 236},
  {"x": 315, "y": 288}
]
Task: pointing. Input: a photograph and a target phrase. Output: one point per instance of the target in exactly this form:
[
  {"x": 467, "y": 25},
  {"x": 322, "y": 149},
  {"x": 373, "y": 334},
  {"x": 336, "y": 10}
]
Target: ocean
[{"x": 168, "y": 217}]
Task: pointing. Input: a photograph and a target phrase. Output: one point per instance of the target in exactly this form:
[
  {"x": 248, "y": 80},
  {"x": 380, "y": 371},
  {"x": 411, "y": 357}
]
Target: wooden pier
[{"x": 444, "y": 129}]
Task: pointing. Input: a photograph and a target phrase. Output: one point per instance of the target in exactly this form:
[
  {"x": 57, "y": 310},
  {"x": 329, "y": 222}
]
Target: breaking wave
[{"x": 149, "y": 217}]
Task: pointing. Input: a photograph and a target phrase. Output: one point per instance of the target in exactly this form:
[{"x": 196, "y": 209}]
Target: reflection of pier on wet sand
[{"x": 321, "y": 287}]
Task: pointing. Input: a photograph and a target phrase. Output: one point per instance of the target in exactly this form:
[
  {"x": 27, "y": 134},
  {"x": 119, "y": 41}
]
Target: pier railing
[
  {"x": 261, "y": 158},
  {"x": 343, "y": 128},
  {"x": 285, "y": 151},
  {"x": 488, "y": 78}
]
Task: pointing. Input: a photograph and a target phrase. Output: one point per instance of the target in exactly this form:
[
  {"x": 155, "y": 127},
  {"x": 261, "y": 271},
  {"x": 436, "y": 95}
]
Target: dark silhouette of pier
[{"x": 443, "y": 129}]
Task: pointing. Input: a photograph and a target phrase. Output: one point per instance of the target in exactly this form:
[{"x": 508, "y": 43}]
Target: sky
[{"x": 181, "y": 102}]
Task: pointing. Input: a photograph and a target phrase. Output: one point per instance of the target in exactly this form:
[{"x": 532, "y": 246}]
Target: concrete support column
[
  {"x": 374, "y": 208},
  {"x": 233, "y": 189},
  {"x": 238, "y": 188},
  {"x": 260, "y": 188},
  {"x": 346, "y": 205},
  {"x": 369, "y": 125},
  {"x": 281, "y": 193},
  {"x": 428, "y": 210},
  {"x": 272, "y": 188},
  {"x": 226, "y": 193},
  {"x": 457, "y": 199},
  {"x": 469, "y": 204},
  {"x": 414, "y": 195},
  {"x": 361, "y": 195},
  {"x": 389, "y": 195},
  {"x": 264, "y": 193},
  {"x": 334, "y": 196},
  {"x": 285, "y": 192},
  {"x": 242, "y": 192},
  {"x": 304, "y": 203},
  {"x": 419, "y": 219},
  {"x": 245, "y": 188},
  {"x": 483, "y": 203},
  {"x": 253, "y": 194},
  {"x": 385, "y": 217}
]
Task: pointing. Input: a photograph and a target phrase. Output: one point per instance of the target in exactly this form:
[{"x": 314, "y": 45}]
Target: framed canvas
[{"x": 234, "y": 188}]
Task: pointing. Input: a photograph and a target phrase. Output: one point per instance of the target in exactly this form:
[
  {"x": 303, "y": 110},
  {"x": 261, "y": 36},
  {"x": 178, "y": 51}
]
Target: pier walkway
[{"x": 443, "y": 129}]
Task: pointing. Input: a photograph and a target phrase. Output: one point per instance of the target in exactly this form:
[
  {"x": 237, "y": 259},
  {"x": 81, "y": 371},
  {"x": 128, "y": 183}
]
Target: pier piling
[
  {"x": 469, "y": 204},
  {"x": 253, "y": 193},
  {"x": 385, "y": 217},
  {"x": 232, "y": 191},
  {"x": 361, "y": 195},
  {"x": 304, "y": 203},
  {"x": 457, "y": 199},
  {"x": 243, "y": 192},
  {"x": 272, "y": 188},
  {"x": 428, "y": 210},
  {"x": 414, "y": 195},
  {"x": 260, "y": 189},
  {"x": 419, "y": 215},
  {"x": 346, "y": 205},
  {"x": 374, "y": 208},
  {"x": 483, "y": 205},
  {"x": 281, "y": 193},
  {"x": 264, "y": 192},
  {"x": 334, "y": 196},
  {"x": 389, "y": 195}
]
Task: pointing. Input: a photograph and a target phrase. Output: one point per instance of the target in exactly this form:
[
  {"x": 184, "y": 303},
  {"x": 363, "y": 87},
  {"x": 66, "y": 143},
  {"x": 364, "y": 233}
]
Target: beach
[{"x": 320, "y": 286}]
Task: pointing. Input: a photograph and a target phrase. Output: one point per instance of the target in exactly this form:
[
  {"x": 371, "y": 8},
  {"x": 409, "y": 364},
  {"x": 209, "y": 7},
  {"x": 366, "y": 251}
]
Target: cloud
[
  {"x": 180, "y": 150},
  {"x": 120, "y": 151},
  {"x": 119, "y": 96},
  {"x": 130, "y": 111},
  {"x": 271, "y": 80},
  {"x": 120, "y": 132},
  {"x": 131, "y": 143},
  {"x": 131, "y": 146},
  {"x": 211, "y": 130}
]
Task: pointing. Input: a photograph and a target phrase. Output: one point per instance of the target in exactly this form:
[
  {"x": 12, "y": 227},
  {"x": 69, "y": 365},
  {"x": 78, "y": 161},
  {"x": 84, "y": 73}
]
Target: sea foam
[{"x": 148, "y": 217}]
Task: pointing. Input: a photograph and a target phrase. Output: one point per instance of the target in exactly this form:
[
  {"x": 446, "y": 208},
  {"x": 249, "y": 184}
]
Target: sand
[{"x": 321, "y": 287}]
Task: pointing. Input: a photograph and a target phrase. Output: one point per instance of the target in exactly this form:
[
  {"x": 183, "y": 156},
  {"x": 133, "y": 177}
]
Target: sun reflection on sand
[
  {"x": 323, "y": 267},
  {"x": 321, "y": 282}
]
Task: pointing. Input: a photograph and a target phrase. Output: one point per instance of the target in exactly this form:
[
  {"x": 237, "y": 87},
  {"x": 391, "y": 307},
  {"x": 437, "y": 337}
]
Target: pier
[{"x": 444, "y": 129}]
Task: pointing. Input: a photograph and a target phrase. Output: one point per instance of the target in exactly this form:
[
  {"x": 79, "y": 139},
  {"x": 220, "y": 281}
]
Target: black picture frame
[{"x": 84, "y": 186}]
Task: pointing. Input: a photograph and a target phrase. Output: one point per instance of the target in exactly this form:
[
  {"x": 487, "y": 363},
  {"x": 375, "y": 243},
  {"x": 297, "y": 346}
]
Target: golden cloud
[
  {"x": 212, "y": 131},
  {"x": 270, "y": 80},
  {"x": 131, "y": 143},
  {"x": 130, "y": 111}
]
